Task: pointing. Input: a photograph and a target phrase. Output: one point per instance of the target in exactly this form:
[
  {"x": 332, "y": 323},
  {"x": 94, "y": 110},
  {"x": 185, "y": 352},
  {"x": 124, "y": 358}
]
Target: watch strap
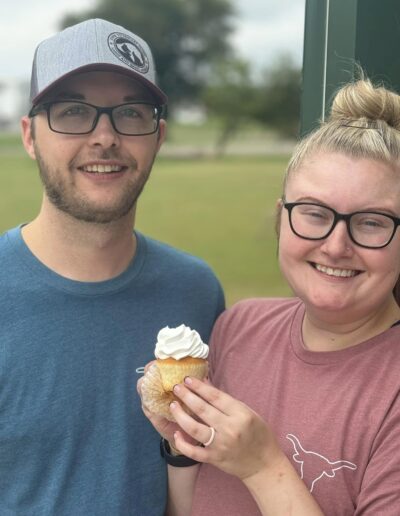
[{"x": 178, "y": 461}]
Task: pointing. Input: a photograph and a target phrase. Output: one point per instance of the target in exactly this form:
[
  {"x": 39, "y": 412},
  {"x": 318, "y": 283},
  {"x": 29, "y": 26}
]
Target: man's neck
[{"x": 80, "y": 250}]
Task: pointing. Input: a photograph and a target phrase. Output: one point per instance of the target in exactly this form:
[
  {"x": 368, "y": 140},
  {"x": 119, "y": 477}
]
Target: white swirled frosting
[{"x": 179, "y": 343}]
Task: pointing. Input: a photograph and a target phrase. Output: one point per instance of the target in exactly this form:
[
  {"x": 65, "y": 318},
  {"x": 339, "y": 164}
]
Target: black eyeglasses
[
  {"x": 76, "y": 117},
  {"x": 369, "y": 229}
]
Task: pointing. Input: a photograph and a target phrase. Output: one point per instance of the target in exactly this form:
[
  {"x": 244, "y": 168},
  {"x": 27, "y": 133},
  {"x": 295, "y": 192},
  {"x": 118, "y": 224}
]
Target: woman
[{"x": 303, "y": 417}]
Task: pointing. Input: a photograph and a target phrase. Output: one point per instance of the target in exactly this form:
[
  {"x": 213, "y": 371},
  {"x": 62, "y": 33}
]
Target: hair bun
[{"x": 363, "y": 100}]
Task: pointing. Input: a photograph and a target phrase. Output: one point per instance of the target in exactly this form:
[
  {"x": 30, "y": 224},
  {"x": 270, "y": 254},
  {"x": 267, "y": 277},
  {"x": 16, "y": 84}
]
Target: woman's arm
[
  {"x": 243, "y": 445},
  {"x": 280, "y": 491}
]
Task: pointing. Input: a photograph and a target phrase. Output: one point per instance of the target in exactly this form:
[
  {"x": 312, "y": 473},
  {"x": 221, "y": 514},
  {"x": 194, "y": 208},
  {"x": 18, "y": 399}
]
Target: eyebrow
[
  {"x": 381, "y": 209},
  {"x": 309, "y": 198}
]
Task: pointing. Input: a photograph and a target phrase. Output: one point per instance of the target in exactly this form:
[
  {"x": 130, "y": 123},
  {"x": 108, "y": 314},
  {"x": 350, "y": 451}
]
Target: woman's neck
[{"x": 320, "y": 334}]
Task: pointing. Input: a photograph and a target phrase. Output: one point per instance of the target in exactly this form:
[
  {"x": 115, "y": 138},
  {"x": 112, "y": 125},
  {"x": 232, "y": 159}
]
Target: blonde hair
[{"x": 364, "y": 122}]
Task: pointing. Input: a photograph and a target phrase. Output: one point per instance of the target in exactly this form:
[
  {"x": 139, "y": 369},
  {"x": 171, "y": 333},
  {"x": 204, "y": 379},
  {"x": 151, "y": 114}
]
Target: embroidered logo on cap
[{"x": 128, "y": 51}]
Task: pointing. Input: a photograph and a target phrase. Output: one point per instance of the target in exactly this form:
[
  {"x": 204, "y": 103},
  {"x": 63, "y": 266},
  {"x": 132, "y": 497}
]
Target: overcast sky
[{"x": 264, "y": 29}]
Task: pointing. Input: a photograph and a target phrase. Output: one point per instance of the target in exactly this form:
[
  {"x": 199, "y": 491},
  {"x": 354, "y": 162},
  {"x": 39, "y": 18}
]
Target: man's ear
[
  {"x": 27, "y": 136},
  {"x": 162, "y": 133}
]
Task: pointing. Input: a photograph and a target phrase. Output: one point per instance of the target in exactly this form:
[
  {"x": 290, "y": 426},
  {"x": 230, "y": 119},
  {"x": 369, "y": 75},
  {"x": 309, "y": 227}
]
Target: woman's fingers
[
  {"x": 199, "y": 431},
  {"x": 221, "y": 401},
  {"x": 194, "y": 451},
  {"x": 210, "y": 408},
  {"x": 200, "y": 408}
]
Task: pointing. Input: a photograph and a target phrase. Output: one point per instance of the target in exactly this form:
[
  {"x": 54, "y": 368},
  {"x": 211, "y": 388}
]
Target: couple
[{"x": 302, "y": 404}]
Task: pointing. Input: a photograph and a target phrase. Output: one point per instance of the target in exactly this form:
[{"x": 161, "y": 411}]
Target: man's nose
[{"x": 104, "y": 133}]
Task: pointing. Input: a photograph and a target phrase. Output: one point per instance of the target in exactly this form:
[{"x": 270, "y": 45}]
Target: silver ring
[{"x": 212, "y": 436}]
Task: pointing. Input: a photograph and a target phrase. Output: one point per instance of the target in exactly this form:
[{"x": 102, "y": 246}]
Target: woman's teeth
[{"x": 342, "y": 273}]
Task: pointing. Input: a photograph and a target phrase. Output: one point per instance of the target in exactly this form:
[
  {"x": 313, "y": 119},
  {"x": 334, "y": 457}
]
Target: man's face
[{"x": 95, "y": 177}]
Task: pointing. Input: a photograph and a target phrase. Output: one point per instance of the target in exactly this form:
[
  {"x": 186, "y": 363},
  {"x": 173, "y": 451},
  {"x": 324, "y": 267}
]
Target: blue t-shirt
[{"x": 73, "y": 439}]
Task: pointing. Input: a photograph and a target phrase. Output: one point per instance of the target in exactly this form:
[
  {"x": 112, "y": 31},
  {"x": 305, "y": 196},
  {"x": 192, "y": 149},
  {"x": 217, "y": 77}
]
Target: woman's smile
[{"x": 334, "y": 271}]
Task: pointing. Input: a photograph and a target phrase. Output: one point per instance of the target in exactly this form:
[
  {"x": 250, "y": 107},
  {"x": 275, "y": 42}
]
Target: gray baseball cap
[{"x": 92, "y": 45}]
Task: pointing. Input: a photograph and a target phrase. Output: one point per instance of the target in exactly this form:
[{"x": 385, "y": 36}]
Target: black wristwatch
[{"x": 179, "y": 461}]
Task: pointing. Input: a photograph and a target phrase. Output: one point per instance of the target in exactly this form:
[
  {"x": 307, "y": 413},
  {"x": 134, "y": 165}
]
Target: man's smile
[{"x": 102, "y": 169}]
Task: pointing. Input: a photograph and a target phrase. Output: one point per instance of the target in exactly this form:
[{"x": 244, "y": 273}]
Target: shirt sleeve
[
  {"x": 215, "y": 348},
  {"x": 219, "y": 340}
]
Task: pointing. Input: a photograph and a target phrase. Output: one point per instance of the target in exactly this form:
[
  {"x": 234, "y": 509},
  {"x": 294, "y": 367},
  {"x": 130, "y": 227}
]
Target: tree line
[{"x": 197, "y": 64}]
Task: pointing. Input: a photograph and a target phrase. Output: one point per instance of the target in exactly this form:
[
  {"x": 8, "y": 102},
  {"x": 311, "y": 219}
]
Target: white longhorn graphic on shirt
[{"x": 317, "y": 466}]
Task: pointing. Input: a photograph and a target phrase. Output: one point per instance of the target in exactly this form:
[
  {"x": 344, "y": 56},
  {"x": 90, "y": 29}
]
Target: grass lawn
[{"x": 219, "y": 209}]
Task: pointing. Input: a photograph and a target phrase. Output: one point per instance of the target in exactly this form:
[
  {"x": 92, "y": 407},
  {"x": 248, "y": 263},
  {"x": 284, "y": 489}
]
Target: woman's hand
[{"x": 243, "y": 444}]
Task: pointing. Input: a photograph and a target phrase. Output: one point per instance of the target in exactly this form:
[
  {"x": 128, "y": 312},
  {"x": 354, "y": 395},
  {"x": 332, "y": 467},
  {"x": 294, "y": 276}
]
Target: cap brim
[{"x": 106, "y": 67}]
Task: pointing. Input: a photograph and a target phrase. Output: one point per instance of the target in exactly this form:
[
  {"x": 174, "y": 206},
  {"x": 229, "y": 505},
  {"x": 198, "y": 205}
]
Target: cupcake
[{"x": 179, "y": 352}]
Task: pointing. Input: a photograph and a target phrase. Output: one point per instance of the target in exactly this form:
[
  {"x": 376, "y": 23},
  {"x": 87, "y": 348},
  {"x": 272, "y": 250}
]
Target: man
[{"x": 83, "y": 296}]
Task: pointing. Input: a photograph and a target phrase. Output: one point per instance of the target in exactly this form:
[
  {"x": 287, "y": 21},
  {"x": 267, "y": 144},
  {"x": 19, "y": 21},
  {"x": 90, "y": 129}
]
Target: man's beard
[{"x": 63, "y": 196}]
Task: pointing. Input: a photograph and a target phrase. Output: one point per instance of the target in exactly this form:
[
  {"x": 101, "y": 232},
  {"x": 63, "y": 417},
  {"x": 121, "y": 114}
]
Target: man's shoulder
[
  {"x": 167, "y": 254},
  {"x": 7, "y": 238},
  {"x": 176, "y": 274}
]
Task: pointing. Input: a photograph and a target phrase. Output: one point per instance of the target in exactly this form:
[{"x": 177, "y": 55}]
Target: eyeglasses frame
[
  {"x": 337, "y": 217},
  {"x": 45, "y": 106}
]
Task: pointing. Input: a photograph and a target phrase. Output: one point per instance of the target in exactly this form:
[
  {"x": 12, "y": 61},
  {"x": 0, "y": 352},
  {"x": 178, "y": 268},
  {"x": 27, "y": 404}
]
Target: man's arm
[{"x": 181, "y": 483}]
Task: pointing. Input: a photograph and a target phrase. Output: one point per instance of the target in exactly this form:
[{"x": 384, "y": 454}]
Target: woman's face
[{"x": 336, "y": 278}]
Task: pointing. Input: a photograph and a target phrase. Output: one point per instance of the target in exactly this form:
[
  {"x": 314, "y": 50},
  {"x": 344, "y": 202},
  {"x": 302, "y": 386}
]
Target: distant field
[{"x": 219, "y": 209}]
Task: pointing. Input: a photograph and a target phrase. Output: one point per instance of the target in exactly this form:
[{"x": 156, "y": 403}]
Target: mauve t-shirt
[{"x": 336, "y": 414}]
